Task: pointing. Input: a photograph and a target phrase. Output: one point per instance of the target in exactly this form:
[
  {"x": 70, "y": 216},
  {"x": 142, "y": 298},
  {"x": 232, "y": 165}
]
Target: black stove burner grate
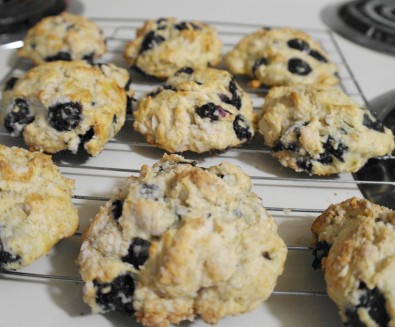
[
  {"x": 19, "y": 15},
  {"x": 368, "y": 22}
]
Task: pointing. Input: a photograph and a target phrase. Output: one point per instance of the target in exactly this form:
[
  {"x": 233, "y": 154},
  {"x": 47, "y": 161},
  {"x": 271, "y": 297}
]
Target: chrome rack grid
[{"x": 118, "y": 32}]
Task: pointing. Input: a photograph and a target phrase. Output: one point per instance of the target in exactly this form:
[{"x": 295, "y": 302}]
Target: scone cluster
[
  {"x": 67, "y": 105},
  {"x": 35, "y": 207},
  {"x": 197, "y": 110},
  {"x": 179, "y": 241},
  {"x": 354, "y": 243}
]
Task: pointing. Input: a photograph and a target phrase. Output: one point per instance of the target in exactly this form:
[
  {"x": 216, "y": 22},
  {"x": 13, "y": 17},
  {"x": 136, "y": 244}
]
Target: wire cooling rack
[{"x": 294, "y": 199}]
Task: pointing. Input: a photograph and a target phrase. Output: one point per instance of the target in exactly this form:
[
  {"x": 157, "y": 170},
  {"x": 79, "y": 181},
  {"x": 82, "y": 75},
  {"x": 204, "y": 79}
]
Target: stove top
[
  {"x": 370, "y": 23},
  {"x": 17, "y": 16}
]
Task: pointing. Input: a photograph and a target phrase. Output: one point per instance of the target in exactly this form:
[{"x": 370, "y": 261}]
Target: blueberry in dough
[
  {"x": 298, "y": 44},
  {"x": 305, "y": 165},
  {"x": 258, "y": 63},
  {"x": 64, "y": 116},
  {"x": 374, "y": 124},
  {"x": 186, "y": 25},
  {"x": 299, "y": 67},
  {"x": 116, "y": 295},
  {"x": 151, "y": 40},
  {"x": 186, "y": 70},
  {"x": 6, "y": 257},
  {"x": 317, "y": 55},
  {"x": 19, "y": 116},
  {"x": 210, "y": 110},
  {"x": 62, "y": 55},
  {"x": 138, "y": 252},
  {"x": 9, "y": 85},
  {"x": 241, "y": 128},
  {"x": 116, "y": 209},
  {"x": 374, "y": 301},
  {"x": 320, "y": 251},
  {"x": 150, "y": 191}
]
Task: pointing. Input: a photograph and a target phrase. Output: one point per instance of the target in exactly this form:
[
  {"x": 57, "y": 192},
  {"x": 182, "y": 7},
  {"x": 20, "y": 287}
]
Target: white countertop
[{"x": 47, "y": 304}]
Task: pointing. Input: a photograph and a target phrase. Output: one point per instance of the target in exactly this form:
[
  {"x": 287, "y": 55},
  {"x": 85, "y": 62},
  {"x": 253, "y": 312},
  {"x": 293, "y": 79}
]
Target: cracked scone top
[
  {"x": 180, "y": 241},
  {"x": 64, "y": 105},
  {"x": 281, "y": 56},
  {"x": 197, "y": 110},
  {"x": 321, "y": 130},
  {"x": 354, "y": 243},
  {"x": 63, "y": 37},
  {"x": 35, "y": 206},
  {"x": 164, "y": 46}
]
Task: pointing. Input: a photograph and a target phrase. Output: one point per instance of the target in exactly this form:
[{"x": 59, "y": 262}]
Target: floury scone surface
[
  {"x": 199, "y": 110},
  {"x": 35, "y": 206},
  {"x": 65, "y": 105},
  {"x": 320, "y": 130},
  {"x": 354, "y": 243},
  {"x": 165, "y": 45},
  {"x": 63, "y": 37},
  {"x": 179, "y": 241},
  {"x": 281, "y": 56}
]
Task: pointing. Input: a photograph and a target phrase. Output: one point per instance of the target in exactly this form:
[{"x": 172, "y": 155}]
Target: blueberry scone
[
  {"x": 63, "y": 37},
  {"x": 180, "y": 241},
  {"x": 35, "y": 206},
  {"x": 281, "y": 56},
  {"x": 321, "y": 130},
  {"x": 164, "y": 46},
  {"x": 64, "y": 105},
  {"x": 196, "y": 110},
  {"x": 354, "y": 243}
]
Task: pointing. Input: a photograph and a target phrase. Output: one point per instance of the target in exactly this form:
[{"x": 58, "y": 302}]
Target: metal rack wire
[{"x": 118, "y": 32}]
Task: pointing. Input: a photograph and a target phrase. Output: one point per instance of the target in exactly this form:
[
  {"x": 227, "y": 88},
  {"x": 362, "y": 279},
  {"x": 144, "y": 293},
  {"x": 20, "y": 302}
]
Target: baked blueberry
[
  {"x": 298, "y": 66},
  {"x": 241, "y": 128},
  {"x": 9, "y": 85},
  {"x": 298, "y": 44},
  {"x": 116, "y": 209},
  {"x": 320, "y": 251},
  {"x": 64, "y": 116},
  {"x": 138, "y": 252},
  {"x": 151, "y": 40},
  {"x": 261, "y": 61},
  {"x": 186, "y": 70},
  {"x": 62, "y": 55},
  {"x": 317, "y": 55},
  {"x": 6, "y": 257},
  {"x": 150, "y": 191},
  {"x": 186, "y": 25},
  {"x": 18, "y": 117},
  {"x": 234, "y": 90},
  {"x": 210, "y": 110},
  {"x": 117, "y": 295},
  {"x": 305, "y": 165},
  {"x": 374, "y": 123}
]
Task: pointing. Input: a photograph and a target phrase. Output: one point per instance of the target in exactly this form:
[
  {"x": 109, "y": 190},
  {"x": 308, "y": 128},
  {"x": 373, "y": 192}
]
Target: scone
[
  {"x": 320, "y": 130},
  {"x": 179, "y": 241},
  {"x": 354, "y": 243},
  {"x": 67, "y": 105},
  {"x": 196, "y": 110},
  {"x": 164, "y": 46},
  {"x": 281, "y": 56},
  {"x": 63, "y": 37},
  {"x": 35, "y": 206}
]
